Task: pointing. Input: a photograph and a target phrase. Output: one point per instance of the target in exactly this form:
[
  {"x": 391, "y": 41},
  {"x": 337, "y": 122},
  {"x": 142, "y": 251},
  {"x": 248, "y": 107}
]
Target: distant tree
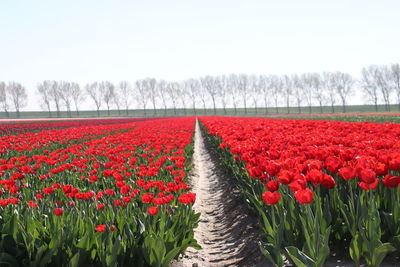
[
  {"x": 192, "y": 86},
  {"x": 221, "y": 82},
  {"x": 78, "y": 96},
  {"x": 243, "y": 89},
  {"x": 343, "y": 83},
  {"x": 307, "y": 87},
  {"x": 44, "y": 90},
  {"x": 4, "y": 98},
  {"x": 254, "y": 90},
  {"x": 55, "y": 95},
  {"x": 208, "y": 83},
  {"x": 318, "y": 89},
  {"x": 117, "y": 100},
  {"x": 329, "y": 87},
  {"x": 108, "y": 94},
  {"x": 396, "y": 81},
  {"x": 123, "y": 95},
  {"x": 143, "y": 93},
  {"x": 232, "y": 88},
  {"x": 383, "y": 81},
  {"x": 182, "y": 95},
  {"x": 291, "y": 85},
  {"x": 96, "y": 92},
  {"x": 18, "y": 96},
  {"x": 203, "y": 94},
  {"x": 264, "y": 84},
  {"x": 150, "y": 84},
  {"x": 369, "y": 85},
  {"x": 276, "y": 86},
  {"x": 172, "y": 91},
  {"x": 65, "y": 90},
  {"x": 162, "y": 88}
]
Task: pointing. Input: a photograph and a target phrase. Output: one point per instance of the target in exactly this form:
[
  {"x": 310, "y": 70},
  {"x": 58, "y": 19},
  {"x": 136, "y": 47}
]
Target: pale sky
[{"x": 93, "y": 40}]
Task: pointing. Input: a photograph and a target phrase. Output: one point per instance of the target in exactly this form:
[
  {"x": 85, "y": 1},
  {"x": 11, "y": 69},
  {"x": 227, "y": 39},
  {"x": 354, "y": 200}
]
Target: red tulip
[
  {"x": 58, "y": 211},
  {"x": 304, "y": 196},
  {"x": 152, "y": 210},
  {"x": 271, "y": 198}
]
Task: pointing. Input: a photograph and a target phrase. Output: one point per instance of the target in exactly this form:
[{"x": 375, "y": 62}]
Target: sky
[{"x": 94, "y": 40}]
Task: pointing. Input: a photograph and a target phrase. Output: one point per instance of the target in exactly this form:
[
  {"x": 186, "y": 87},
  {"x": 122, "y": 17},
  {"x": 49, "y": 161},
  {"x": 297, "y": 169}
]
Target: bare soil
[{"x": 227, "y": 231}]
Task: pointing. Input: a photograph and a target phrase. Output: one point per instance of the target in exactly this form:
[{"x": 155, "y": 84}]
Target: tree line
[{"x": 379, "y": 84}]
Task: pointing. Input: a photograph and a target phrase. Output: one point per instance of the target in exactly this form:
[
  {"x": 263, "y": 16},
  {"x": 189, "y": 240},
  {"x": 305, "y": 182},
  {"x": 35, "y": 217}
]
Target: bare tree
[
  {"x": 18, "y": 96},
  {"x": 243, "y": 87},
  {"x": 44, "y": 90},
  {"x": 369, "y": 84},
  {"x": 65, "y": 90},
  {"x": 182, "y": 95},
  {"x": 288, "y": 84},
  {"x": 276, "y": 87},
  {"x": 108, "y": 94},
  {"x": 55, "y": 95},
  {"x": 203, "y": 96},
  {"x": 192, "y": 86},
  {"x": 264, "y": 84},
  {"x": 4, "y": 98},
  {"x": 343, "y": 83},
  {"x": 150, "y": 84},
  {"x": 143, "y": 93},
  {"x": 383, "y": 81},
  {"x": 117, "y": 100},
  {"x": 254, "y": 90},
  {"x": 208, "y": 83},
  {"x": 233, "y": 85},
  {"x": 221, "y": 82},
  {"x": 162, "y": 88},
  {"x": 96, "y": 92},
  {"x": 318, "y": 89},
  {"x": 77, "y": 96},
  {"x": 328, "y": 82},
  {"x": 172, "y": 91},
  {"x": 305, "y": 84},
  {"x": 396, "y": 81},
  {"x": 123, "y": 93}
]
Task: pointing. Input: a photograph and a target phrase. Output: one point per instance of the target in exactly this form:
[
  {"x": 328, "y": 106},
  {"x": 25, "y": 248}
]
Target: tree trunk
[
  {"x": 287, "y": 105},
  {"x": 98, "y": 112},
  {"x": 320, "y": 107},
  {"x": 309, "y": 109},
  {"x": 126, "y": 110},
  {"x": 215, "y": 110},
  {"x": 333, "y": 108}
]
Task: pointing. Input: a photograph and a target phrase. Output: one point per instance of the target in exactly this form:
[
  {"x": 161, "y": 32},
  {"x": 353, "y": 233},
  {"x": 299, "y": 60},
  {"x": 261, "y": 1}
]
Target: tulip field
[
  {"x": 102, "y": 195},
  {"x": 316, "y": 186},
  {"x": 117, "y": 192}
]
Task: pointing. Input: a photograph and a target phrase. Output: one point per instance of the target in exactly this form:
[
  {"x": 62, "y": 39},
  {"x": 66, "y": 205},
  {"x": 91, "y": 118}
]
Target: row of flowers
[
  {"x": 119, "y": 196},
  {"x": 26, "y": 126},
  {"x": 316, "y": 185}
]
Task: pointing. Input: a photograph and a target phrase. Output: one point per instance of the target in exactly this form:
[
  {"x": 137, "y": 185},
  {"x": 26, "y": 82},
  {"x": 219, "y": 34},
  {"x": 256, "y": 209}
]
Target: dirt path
[{"x": 227, "y": 233}]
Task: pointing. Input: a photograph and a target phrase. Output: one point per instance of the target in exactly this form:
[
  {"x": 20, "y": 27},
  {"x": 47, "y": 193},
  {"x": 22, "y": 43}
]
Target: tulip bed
[
  {"x": 22, "y": 127},
  {"x": 316, "y": 186},
  {"x": 102, "y": 195}
]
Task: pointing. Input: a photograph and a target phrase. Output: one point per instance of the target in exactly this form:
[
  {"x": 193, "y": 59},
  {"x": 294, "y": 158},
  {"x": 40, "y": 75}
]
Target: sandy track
[{"x": 227, "y": 233}]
